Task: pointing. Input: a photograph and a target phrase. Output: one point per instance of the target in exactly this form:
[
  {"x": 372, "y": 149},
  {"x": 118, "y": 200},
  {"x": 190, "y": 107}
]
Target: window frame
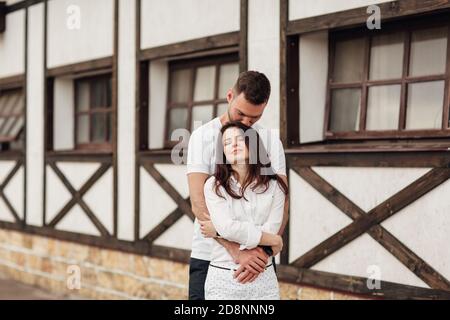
[
  {"x": 193, "y": 64},
  {"x": 365, "y": 83},
  {"x": 4, "y": 140},
  {"x": 93, "y": 146}
]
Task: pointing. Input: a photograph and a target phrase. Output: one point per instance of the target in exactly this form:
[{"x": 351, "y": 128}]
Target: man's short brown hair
[{"x": 254, "y": 85}]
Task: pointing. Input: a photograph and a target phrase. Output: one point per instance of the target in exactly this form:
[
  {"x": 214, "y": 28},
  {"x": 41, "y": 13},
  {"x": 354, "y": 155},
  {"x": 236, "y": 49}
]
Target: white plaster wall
[
  {"x": 312, "y": 217},
  {"x": 158, "y": 82},
  {"x": 367, "y": 187},
  {"x": 126, "y": 119},
  {"x": 299, "y": 9},
  {"x": 77, "y": 221},
  {"x": 63, "y": 114},
  {"x": 424, "y": 227},
  {"x": 264, "y": 52},
  {"x": 5, "y": 213},
  {"x": 12, "y": 45},
  {"x": 94, "y": 38},
  {"x": 78, "y": 173},
  {"x": 56, "y": 195},
  {"x": 179, "y": 235},
  {"x": 176, "y": 176},
  {"x": 14, "y": 191},
  {"x": 155, "y": 203},
  {"x": 5, "y": 168},
  {"x": 99, "y": 198},
  {"x": 171, "y": 21},
  {"x": 313, "y": 62},
  {"x": 35, "y": 115},
  {"x": 361, "y": 255}
]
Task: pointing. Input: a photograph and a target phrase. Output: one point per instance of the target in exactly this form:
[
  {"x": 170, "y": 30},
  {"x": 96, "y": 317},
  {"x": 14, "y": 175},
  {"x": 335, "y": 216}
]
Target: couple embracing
[{"x": 239, "y": 195}]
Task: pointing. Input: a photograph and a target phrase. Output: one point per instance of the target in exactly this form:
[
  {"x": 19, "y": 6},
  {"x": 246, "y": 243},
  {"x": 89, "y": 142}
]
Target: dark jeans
[{"x": 198, "y": 270}]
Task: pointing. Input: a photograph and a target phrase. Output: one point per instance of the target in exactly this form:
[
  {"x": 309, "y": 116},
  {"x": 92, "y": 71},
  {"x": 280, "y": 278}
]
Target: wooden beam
[
  {"x": 386, "y": 209},
  {"x": 225, "y": 40},
  {"x": 12, "y": 82},
  {"x": 284, "y": 254},
  {"x": 114, "y": 124},
  {"x": 243, "y": 36},
  {"x": 79, "y": 156},
  {"x": 292, "y": 121},
  {"x": 284, "y": 12},
  {"x": 22, "y": 5},
  {"x": 182, "y": 203},
  {"x": 164, "y": 225},
  {"x": 438, "y": 159},
  {"x": 140, "y": 116},
  {"x": 77, "y": 198},
  {"x": 76, "y": 68},
  {"x": 356, "y": 285},
  {"x": 406, "y": 256},
  {"x": 2, "y": 16},
  {"x": 3, "y": 185},
  {"x": 155, "y": 156},
  {"x": 358, "y": 16}
]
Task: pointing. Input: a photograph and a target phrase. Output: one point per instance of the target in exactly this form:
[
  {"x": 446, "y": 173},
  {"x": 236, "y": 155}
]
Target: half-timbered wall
[
  {"x": 338, "y": 187},
  {"x": 12, "y": 167},
  {"x": 12, "y": 191},
  {"x": 353, "y": 206}
]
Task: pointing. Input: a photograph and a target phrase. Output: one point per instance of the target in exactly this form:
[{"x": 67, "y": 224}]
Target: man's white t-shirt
[{"x": 202, "y": 159}]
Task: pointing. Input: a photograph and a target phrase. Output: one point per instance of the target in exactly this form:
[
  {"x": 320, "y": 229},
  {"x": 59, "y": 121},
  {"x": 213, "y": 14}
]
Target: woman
[{"x": 246, "y": 206}]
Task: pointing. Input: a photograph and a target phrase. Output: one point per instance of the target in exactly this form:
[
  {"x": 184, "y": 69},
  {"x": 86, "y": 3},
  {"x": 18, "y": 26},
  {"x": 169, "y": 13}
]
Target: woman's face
[{"x": 234, "y": 147}]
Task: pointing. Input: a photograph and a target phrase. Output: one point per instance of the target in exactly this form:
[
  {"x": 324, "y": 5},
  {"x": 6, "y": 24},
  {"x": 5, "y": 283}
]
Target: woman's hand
[
  {"x": 278, "y": 246},
  {"x": 207, "y": 229}
]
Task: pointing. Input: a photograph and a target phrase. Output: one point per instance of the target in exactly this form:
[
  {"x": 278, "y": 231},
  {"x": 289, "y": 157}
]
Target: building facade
[{"x": 92, "y": 91}]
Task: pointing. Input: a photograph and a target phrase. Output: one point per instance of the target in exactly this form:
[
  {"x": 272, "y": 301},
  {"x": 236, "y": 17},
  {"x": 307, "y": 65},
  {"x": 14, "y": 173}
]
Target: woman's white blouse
[{"x": 243, "y": 221}]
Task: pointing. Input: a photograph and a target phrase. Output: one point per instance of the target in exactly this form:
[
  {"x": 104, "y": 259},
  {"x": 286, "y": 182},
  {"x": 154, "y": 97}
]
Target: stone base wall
[{"x": 107, "y": 274}]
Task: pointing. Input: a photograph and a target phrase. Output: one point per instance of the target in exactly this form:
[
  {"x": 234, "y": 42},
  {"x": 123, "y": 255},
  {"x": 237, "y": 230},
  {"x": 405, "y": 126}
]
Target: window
[
  {"x": 197, "y": 91},
  {"x": 392, "y": 82},
  {"x": 11, "y": 119},
  {"x": 93, "y": 112}
]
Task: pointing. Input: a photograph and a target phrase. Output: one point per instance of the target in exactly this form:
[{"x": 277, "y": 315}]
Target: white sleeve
[
  {"x": 196, "y": 161},
  {"x": 275, "y": 219},
  {"x": 242, "y": 232},
  {"x": 277, "y": 156}
]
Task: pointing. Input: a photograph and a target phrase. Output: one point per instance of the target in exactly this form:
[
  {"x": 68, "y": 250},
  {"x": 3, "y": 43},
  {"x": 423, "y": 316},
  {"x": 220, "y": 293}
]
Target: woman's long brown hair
[{"x": 224, "y": 170}]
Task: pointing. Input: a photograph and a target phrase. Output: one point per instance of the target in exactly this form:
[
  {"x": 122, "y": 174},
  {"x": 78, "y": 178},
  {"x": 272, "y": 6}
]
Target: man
[{"x": 246, "y": 103}]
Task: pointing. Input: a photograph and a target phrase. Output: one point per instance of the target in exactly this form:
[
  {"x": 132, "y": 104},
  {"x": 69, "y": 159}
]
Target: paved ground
[{"x": 13, "y": 290}]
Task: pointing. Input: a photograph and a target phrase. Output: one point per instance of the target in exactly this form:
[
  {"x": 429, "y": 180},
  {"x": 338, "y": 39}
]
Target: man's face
[{"x": 242, "y": 110}]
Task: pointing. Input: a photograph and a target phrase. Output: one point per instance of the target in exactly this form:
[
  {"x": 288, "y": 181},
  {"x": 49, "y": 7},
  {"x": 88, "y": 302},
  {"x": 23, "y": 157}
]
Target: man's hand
[
  {"x": 207, "y": 229},
  {"x": 252, "y": 263}
]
